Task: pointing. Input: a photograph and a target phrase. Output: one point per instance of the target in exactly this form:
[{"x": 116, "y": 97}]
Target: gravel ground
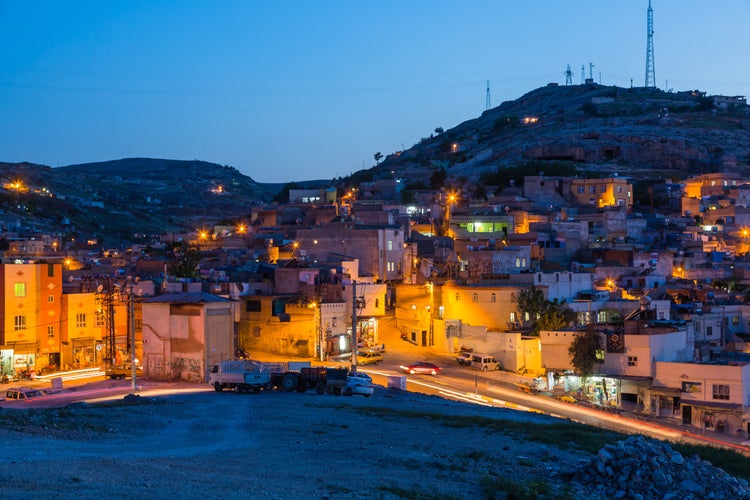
[{"x": 269, "y": 445}]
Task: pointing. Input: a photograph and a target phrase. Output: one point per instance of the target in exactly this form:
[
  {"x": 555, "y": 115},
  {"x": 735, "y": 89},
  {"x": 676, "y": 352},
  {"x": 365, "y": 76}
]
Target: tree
[
  {"x": 531, "y": 303},
  {"x": 186, "y": 265},
  {"x": 543, "y": 314},
  {"x": 378, "y": 156},
  {"x": 439, "y": 130},
  {"x": 583, "y": 351}
]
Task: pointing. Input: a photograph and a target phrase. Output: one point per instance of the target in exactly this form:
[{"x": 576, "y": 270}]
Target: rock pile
[{"x": 640, "y": 468}]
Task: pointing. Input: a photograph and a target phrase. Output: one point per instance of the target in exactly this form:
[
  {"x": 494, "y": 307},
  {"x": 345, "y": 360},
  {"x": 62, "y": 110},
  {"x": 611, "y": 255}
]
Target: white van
[{"x": 484, "y": 362}]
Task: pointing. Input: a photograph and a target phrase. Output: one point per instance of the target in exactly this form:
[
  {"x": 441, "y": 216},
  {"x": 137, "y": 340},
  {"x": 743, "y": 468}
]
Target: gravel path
[{"x": 268, "y": 445}]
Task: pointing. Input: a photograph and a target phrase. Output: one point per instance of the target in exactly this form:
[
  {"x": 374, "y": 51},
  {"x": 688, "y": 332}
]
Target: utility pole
[
  {"x": 354, "y": 326},
  {"x": 488, "y": 103},
  {"x": 131, "y": 326}
]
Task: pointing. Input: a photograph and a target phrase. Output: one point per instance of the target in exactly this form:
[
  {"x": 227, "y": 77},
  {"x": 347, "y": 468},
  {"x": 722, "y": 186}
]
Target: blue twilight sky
[{"x": 295, "y": 90}]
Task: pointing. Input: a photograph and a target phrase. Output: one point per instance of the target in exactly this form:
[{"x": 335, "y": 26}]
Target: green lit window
[{"x": 19, "y": 289}]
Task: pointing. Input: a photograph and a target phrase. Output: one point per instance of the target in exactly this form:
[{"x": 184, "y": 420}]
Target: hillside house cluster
[{"x": 664, "y": 290}]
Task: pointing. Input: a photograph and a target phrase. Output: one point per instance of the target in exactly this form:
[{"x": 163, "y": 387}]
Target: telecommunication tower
[
  {"x": 583, "y": 74},
  {"x": 650, "y": 72},
  {"x": 488, "y": 103},
  {"x": 568, "y": 76}
]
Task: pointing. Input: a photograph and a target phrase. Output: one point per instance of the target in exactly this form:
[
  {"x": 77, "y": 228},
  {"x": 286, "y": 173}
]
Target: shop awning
[
  {"x": 713, "y": 405},
  {"x": 23, "y": 347},
  {"x": 665, "y": 391}
]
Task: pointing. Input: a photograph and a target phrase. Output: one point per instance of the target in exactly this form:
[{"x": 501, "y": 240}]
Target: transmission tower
[
  {"x": 568, "y": 76},
  {"x": 650, "y": 72},
  {"x": 488, "y": 102}
]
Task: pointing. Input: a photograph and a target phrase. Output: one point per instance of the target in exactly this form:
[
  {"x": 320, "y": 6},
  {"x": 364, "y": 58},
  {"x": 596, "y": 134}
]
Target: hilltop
[
  {"x": 599, "y": 130},
  {"x": 637, "y": 132}
]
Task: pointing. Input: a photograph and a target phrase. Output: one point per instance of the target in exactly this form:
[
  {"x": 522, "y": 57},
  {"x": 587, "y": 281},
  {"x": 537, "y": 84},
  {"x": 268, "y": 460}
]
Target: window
[
  {"x": 334, "y": 321},
  {"x": 99, "y": 318},
  {"x": 51, "y": 332},
  {"x": 721, "y": 391},
  {"x": 604, "y": 188},
  {"x": 390, "y": 266},
  {"x": 580, "y": 189},
  {"x": 390, "y": 245},
  {"x": 709, "y": 331},
  {"x": 526, "y": 316},
  {"x": 735, "y": 320},
  {"x": 632, "y": 360},
  {"x": 523, "y": 262},
  {"x": 81, "y": 320},
  {"x": 518, "y": 262},
  {"x": 513, "y": 318},
  {"x": 50, "y": 270},
  {"x": 493, "y": 298},
  {"x": 458, "y": 297},
  {"x": 474, "y": 297},
  {"x": 50, "y": 298},
  {"x": 592, "y": 189},
  {"x": 619, "y": 189},
  {"x": 19, "y": 323},
  {"x": 19, "y": 289}
]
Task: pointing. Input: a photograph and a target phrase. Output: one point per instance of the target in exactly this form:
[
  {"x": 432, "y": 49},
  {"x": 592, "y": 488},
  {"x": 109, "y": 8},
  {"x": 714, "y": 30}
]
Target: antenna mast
[
  {"x": 568, "y": 76},
  {"x": 488, "y": 103},
  {"x": 650, "y": 72},
  {"x": 583, "y": 74}
]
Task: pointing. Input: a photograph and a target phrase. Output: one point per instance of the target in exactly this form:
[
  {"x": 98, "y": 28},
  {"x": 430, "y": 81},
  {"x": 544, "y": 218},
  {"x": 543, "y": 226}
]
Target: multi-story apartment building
[
  {"x": 605, "y": 192},
  {"x": 32, "y": 316}
]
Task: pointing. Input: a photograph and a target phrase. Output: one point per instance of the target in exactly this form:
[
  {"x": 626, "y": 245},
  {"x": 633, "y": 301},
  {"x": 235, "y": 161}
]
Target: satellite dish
[{"x": 99, "y": 288}]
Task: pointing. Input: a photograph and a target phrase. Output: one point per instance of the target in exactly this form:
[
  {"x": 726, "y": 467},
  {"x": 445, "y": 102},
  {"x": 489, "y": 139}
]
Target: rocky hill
[
  {"x": 122, "y": 200},
  {"x": 637, "y": 132}
]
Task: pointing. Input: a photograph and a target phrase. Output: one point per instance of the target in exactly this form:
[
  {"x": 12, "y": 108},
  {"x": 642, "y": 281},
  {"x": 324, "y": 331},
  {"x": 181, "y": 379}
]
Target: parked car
[
  {"x": 124, "y": 370},
  {"x": 369, "y": 357},
  {"x": 422, "y": 367},
  {"x": 464, "y": 358},
  {"x": 16, "y": 393},
  {"x": 359, "y": 383}
]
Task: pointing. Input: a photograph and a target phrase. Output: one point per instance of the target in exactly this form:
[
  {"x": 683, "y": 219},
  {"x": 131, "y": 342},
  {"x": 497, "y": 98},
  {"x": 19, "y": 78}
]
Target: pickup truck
[{"x": 122, "y": 371}]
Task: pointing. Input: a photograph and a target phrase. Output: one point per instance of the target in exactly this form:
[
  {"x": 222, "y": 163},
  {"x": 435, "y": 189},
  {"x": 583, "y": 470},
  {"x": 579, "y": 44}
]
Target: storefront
[
  {"x": 23, "y": 358},
  {"x": 711, "y": 416}
]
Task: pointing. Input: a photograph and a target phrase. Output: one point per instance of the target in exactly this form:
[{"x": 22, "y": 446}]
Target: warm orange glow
[{"x": 241, "y": 229}]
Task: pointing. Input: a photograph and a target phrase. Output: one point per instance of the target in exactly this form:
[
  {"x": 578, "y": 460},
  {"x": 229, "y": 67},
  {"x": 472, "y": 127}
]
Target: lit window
[
  {"x": 19, "y": 289},
  {"x": 721, "y": 391},
  {"x": 523, "y": 262},
  {"x": 518, "y": 262},
  {"x": 19, "y": 323},
  {"x": 390, "y": 245},
  {"x": 735, "y": 320},
  {"x": 580, "y": 189},
  {"x": 513, "y": 318},
  {"x": 81, "y": 320},
  {"x": 619, "y": 189}
]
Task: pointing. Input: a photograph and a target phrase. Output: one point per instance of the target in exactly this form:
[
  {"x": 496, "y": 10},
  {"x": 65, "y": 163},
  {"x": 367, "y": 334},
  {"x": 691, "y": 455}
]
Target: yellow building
[
  {"x": 31, "y": 309},
  {"x": 606, "y": 192}
]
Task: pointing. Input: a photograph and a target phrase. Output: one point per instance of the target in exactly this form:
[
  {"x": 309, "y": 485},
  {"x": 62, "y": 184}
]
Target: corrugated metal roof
[{"x": 185, "y": 298}]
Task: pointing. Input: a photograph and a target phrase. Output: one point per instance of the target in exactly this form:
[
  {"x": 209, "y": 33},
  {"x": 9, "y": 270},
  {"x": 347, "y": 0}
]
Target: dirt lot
[{"x": 268, "y": 445}]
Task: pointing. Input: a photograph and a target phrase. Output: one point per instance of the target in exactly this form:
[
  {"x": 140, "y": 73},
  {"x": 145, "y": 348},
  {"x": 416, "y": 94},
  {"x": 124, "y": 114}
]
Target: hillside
[
  {"x": 640, "y": 133},
  {"x": 122, "y": 199}
]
